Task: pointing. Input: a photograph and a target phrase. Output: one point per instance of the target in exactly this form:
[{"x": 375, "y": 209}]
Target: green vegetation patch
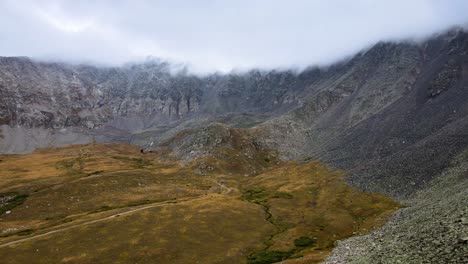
[
  {"x": 8, "y": 201},
  {"x": 304, "y": 241},
  {"x": 259, "y": 195},
  {"x": 256, "y": 195},
  {"x": 266, "y": 257},
  {"x": 25, "y": 232}
]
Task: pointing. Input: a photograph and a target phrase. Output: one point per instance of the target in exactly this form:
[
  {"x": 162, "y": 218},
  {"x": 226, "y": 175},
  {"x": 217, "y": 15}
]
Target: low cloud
[{"x": 212, "y": 35}]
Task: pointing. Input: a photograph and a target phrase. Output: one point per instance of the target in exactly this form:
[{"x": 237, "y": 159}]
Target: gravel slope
[{"x": 432, "y": 229}]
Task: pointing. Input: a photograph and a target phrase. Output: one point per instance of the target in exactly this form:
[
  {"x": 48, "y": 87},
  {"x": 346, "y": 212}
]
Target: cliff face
[
  {"x": 49, "y": 95},
  {"x": 54, "y": 95}
]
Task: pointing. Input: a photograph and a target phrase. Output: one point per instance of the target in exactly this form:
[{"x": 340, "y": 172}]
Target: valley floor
[{"x": 109, "y": 203}]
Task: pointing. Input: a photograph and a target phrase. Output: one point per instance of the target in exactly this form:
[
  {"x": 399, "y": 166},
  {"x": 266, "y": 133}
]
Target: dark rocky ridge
[
  {"x": 394, "y": 116},
  {"x": 403, "y": 124}
]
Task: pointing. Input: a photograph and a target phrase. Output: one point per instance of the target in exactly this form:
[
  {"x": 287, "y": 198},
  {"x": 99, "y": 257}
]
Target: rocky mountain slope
[
  {"x": 395, "y": 117},
  {"x": 51, "y": 95}
]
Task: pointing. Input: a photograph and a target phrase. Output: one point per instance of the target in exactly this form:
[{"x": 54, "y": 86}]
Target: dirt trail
[
  {"x": 102, "y": 219},
  {"x": 224, "y": 188}
]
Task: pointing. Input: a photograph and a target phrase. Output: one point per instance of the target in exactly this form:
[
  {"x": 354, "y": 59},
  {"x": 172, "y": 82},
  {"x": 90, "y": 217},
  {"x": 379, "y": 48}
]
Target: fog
[{"x": 211, "y": 35}]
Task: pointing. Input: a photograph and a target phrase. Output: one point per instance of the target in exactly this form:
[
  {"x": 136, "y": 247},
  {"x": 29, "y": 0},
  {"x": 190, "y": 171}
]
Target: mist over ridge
[{"x": 209, "y": 36}]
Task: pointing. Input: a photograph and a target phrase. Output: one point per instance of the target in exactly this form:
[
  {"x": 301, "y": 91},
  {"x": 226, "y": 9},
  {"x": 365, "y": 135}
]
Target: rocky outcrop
[{"x": 52, "y": 95}]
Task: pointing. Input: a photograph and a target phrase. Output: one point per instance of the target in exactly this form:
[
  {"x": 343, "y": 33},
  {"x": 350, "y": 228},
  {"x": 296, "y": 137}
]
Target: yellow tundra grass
[{"x": 108, "y": 203}]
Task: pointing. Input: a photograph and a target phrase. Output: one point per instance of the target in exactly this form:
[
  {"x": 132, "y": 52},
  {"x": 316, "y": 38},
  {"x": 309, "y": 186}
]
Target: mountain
[{"x": 394, "y": 117}]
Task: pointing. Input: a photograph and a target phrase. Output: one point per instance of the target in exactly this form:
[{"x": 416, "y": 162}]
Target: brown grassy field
[{"x": 108, "y": 203}]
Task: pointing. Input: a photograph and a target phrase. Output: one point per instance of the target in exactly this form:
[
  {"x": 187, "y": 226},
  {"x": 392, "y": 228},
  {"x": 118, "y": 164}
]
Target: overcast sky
[{"x": 216, "y": 35}]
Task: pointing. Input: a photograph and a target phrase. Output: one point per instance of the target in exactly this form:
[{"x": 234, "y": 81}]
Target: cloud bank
[{"x": 215, "y": 35}]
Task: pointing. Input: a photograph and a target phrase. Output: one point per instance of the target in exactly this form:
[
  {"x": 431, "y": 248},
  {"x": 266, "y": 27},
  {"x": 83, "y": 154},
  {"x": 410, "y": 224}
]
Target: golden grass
[
  {"x": 108, "y": 203},
  {"x": 204, "y": 231},
  {"x": 312, "y": 200}
]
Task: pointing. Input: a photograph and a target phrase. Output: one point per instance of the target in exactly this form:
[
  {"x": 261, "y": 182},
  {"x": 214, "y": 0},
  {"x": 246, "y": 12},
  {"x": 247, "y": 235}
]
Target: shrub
[
  {"x": 24, "y": 232},
  {"x": 256, "y": 195},
  {"x": 266, "y": 257},
  {"x": 16, "y": 200},
  {"x": 304, "y": 241}
]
